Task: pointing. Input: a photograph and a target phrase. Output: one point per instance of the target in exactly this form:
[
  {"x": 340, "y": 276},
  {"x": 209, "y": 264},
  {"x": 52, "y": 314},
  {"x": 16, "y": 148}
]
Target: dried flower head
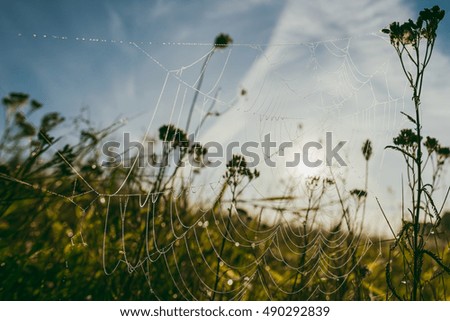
[
  {"x": 406, "y": 138},
  {"x": 358, "y": 193},
  {"x": 222, "y": 41},
  {"x": 443, "y": 152},
  {"x": 15, "y": 100},
  {"x": 173, "y": 135},
  {"x": 237, "y": 170},
  {"x": 431, "y": 144},
  {"x": 367, "y": 149},
  {"x": 410, "y": 32}
]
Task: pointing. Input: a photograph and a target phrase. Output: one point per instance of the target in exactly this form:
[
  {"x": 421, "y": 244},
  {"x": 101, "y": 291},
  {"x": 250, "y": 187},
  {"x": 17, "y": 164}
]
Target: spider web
[{"x": 284, "y": 244}]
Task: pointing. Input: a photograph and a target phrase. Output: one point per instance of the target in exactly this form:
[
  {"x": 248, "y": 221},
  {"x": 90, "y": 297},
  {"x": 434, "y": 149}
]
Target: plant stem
[
  {"x": 417, "y": 249},
  {"x": 197, "y": 90}
]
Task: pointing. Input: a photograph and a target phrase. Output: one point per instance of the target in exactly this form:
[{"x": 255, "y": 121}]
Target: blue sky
[{"x": 310, "y": 81}]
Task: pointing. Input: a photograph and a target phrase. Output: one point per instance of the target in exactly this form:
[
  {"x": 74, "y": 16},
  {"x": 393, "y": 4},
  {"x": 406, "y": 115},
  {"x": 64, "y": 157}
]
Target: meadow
[{"x": 146, "y": 235}]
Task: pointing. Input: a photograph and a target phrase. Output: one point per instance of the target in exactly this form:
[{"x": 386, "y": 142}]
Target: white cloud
[{"x": 353, "y": 87}]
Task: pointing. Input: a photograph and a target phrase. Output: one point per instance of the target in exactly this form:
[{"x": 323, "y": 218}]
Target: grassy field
[{"x": 153, "y": 238}]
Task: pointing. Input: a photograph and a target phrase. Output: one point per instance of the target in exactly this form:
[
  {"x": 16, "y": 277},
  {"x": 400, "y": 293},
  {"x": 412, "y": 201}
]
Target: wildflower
[
  {"x": 35, "y": 104},
  {"x": 431, "y": 144},
  {"x": 222, "y": 41},
  {"x": 237, "y": 169},
  {"x": 313, "y": 182},
  {"x": 50, "y": 121},
  {"x": 15, "y": 100},
  {"x": 197, "y": 153},
  {"x": 410, "y": 32},
  {"x": 27, "y": 128},
  {"x": 406, "y": 138},
  {"x": 443, "y": 154},
  {"x": 171, "y": 134},
  {"x": 358, "y": 193}
]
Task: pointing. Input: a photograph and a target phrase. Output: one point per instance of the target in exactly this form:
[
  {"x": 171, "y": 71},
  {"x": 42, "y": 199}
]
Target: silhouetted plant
[
  {"x": 414, "y": 41},
  {"x": 220, "y": 42},
  {"x": 237, "y": 172}
]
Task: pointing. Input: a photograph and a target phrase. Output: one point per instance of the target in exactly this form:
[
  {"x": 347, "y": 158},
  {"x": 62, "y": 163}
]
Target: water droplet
[
  {"x": 200, "y": 224},
  {"x": 236, "y": 244},
  {"x": 102, "y": 200},
  {"x": 230, "y": 282},
  {"x": 175, "y": 296}
]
